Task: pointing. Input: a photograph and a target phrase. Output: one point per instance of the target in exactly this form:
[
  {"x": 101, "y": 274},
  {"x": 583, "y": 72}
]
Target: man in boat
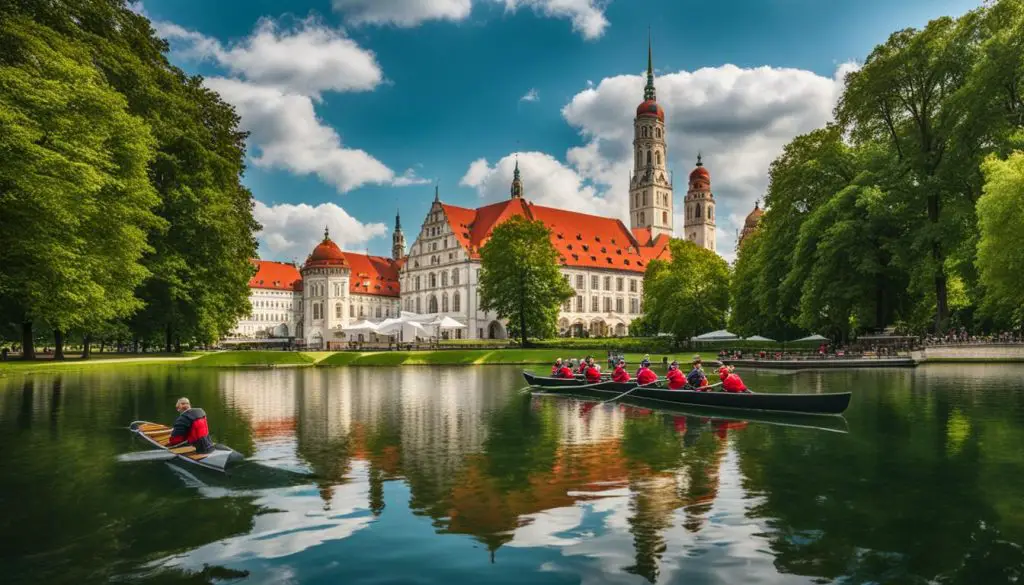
[
  {"x": 645, "y": 375},
  {"x": 593, "y": 373},
  {"x": 190, "y": 427},
  {"x": 696, "y": 377},
  {"x": 556, "y": 368},
  {"x": 564, "y": 371},
  {"x": 644, "y": 363},
  {"x": 676, "y": 379},
  {"x": 731, "y": 382},
  {"x": 620, "y": 374},
  {"x": 583, "y": 365}
]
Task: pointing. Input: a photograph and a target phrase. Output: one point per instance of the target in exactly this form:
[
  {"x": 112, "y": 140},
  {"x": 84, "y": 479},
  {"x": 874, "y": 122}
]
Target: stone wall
[{"x": 994, "y": 352}]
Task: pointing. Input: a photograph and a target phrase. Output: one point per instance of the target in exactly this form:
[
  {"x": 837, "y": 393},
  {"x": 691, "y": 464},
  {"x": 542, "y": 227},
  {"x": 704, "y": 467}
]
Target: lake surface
[{"x": 449, "y": 475}]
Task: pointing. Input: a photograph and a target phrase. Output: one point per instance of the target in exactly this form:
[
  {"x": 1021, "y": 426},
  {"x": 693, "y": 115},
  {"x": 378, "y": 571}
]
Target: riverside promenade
[{"x": 939, "y": 353}]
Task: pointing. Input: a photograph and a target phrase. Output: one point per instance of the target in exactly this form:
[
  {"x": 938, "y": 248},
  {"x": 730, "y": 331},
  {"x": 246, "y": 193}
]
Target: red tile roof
[
  {"x": 370, "y": 275},
  {"x": 275, "y": 276},
  {"x": 582, "y": 240}
]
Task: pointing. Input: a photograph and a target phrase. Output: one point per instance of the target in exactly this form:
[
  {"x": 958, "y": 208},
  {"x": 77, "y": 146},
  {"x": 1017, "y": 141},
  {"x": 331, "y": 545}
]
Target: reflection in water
[{"x": 447, "y": 474}]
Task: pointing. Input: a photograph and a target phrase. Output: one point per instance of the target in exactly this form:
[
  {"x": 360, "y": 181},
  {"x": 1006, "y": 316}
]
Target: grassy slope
[
  {"x": 253, "y": 358},
  {"x": 74, "y": 362}
]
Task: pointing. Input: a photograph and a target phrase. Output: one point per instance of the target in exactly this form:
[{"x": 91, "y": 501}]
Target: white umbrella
[
  {"x": 814, "y": 337},
  {"x": 361, "y": 327},
  {"x": 759, "y": 338},
  {"x": 390, "y": 326},
  {"x": 446, "y": 323},
  {"x": 720, "y": 335}
]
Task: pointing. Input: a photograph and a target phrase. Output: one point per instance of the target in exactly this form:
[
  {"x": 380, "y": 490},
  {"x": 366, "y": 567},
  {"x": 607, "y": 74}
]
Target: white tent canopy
[
  {"x": 814, "y": 337},
  {"x": 446, "y": 323},
  {"x": 361, "y": 327},
  {"x": 759, "y": 338},
  {"x": 720, "y": 335}
]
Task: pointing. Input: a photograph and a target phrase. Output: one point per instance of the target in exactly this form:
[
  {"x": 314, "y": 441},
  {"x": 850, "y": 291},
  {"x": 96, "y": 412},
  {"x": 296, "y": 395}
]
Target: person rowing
[
  {"x": 564, "y": 371},
  {"x": 676, "y": 379},
  {"x": 583, "y": 366},
  {"x": 620, "y": 374},
  {"x": 696, "y": 378},
  {"x": 593, "y": 372},
  {"x": 645, "y": 375},
  {"x": 190, "y": 427},
  {"x": 731, "y": 382},
  {"x": 556, "y": 368},
  {"x": 644, "y": 363}
]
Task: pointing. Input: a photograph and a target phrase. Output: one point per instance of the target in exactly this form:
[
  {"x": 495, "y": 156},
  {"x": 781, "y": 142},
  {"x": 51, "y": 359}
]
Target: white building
[{"x": 602, "y": 259}]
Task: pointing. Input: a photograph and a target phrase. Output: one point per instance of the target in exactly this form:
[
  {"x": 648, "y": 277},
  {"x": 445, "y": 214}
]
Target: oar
[{"x": 631, "y": 390}]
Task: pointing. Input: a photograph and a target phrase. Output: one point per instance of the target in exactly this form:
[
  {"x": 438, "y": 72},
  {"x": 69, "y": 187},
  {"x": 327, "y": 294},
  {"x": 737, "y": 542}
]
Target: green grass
[
  {"x": 223, "y": 359},
  {"x": 74, "y": 362},
  {"x": 455, "y": 357}
]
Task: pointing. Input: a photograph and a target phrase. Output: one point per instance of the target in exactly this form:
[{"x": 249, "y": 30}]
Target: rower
[
  {"x": 564, "y": 372},
  {"x": 190, "y": 427},
  {"x": 583, "y": 366},
  {"x": 696, "y": 377},
  {"x": 555, "y": 368},
  {"x": 644, "y": 375},
  {"x": 593, "y": 372},
  {"x": 644, "y": 363},
  {"x": 620, "y": 374},
  {"x": 676, "y": 379},
  {"x": 731, "y": 382}
]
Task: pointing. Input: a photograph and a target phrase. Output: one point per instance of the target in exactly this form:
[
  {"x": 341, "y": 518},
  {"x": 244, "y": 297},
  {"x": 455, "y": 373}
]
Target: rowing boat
[
  {"x": 158, "y": 435},
  {"x": 824, "y": 404}
]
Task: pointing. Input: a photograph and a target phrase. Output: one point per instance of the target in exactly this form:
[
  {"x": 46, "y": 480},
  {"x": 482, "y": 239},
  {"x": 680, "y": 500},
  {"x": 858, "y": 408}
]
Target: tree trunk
[
  {"x": 135, "y": 345},
  {"x": 103, "y": 345},
  {"x": 167, "y": 338},
  {"x": 86, "y": 349},
  {"x": 941, "y": 306},
  {"x": 177, "y": 344},
  {"x": 58, "y": 344},
  {"x": 28, "y": 348}
]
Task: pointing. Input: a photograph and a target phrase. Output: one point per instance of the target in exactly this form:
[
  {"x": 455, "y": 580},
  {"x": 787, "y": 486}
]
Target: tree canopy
[{"x": 689, "y": 294}]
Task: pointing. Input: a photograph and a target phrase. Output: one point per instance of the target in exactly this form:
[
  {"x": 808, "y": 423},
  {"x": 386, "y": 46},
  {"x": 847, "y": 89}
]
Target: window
[
  {"x": 657, "y": 132},
  {"x": 619, "y": 283},
  {"x": 632, "y": 285},
  {"x": 594, "y": 306},
  {"x": 455, "y": 277},
  {"x": 418, "y": 307},
  {"x": 579, "y": 303},
  {"x": 607, "y": 283},
  {"x": 316, "y": 310},
  {"x": 456, "y": 304},
  {"x": 633, "y": 306},
  {"x": 619, "y": 305},
  {"x": 433, "y": 280},
  {"x": 648, "y": 161},
  {"x": 645, "y": 197},
  {"x": 641, "y": 218},
  {"x": 361, "y": 310},
  {"x": 432, "y": 304},
  {"x": 638, "y": 159},
  {"x": 417, "y": 283},
  {"x": 444, "y": 303},
  {"x": 657, "y": 157},
  {"x": 444, "y": 279},
  {"x": 607, "y": 304},
  {"x": 709, "y": 213},
  {"x": 664, "y": 218},
  {"x": 377, "y": 312},
  {"x": 579, "y": 281},
  {"x": 337, "y": 311},
  {"x": 594, "y": 283}
]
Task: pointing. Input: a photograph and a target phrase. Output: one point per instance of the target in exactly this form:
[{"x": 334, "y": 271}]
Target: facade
[{"x": 602, "y": 259}]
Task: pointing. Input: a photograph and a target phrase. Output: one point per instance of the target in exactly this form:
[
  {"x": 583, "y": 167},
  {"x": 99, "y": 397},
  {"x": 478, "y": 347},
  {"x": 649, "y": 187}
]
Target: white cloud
[
  {"x": 402, "y": 13},
  {"x": 530, "y": 96},
  {"x": 291, "y": 231},
  {"x": 587, "y": 16},
  {"x": 409, "y": 178},
  {"x": 740, "y": 119}
]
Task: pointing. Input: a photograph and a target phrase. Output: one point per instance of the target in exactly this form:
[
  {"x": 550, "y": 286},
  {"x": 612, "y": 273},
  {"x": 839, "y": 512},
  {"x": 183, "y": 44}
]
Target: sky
[{"x": 359, "y": 108}]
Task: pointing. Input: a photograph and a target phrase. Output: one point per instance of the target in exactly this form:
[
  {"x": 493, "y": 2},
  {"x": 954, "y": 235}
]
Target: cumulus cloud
[
  {"x": 277, "y": 75},
  {"x": 530, "y": 96},
  {"x": 291, "y": 231},
  {"x": 740, "y": 119},
  {"x": 587, "y": 16}
]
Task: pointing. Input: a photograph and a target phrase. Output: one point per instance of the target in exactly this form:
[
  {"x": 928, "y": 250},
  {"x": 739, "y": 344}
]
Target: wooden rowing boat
[
  {"x": 158, "y": 435},
  {"x": 819, "y": 404}
]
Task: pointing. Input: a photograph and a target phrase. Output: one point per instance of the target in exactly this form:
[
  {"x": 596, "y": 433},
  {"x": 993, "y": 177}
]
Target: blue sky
[{"x": 357, "y": 107}]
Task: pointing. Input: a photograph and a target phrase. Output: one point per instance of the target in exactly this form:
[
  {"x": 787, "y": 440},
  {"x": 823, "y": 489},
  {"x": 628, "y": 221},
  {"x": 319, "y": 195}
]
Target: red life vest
[
  {"x": 565, "y": 372},
  {"x": 620, "y": 375},
  {"x": 593, "y": 375},
  {"x": 676, "y": 379},
  {"x": 733, "y": 383},
  {"x": 646, "y": 376}
]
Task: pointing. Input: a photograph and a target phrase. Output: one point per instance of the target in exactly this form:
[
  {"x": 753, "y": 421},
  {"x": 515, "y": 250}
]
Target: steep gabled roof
[
  {"x": 275, "y": 275},
  {"x": 372, "y": 275}
]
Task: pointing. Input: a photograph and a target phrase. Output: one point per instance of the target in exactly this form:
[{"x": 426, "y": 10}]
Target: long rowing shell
[{"x": 158, "y": 435}]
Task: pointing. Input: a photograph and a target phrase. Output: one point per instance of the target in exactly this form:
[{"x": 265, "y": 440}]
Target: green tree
[
  {"x": 689, "y": 294},
  {"x": 520, "y": 278},
  {"x": 1001, "y": 245},
  {"x": 73, "y": 187}
]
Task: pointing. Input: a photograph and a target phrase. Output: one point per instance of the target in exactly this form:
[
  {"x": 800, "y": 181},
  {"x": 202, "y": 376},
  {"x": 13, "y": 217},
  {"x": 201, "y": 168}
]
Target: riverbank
[{"x": 110, "y": 360}]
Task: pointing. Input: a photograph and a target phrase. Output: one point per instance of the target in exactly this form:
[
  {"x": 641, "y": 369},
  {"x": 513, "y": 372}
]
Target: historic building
[
  {"x": 751, "y": 224},
  {"x": 602, "y": 259}
]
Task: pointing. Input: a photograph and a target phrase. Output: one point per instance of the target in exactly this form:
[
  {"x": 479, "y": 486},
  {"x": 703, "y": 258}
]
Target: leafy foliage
[
  {"x": 520, "y": 278},
  {"x": 688, "y": 295},
  {"x": 1001, "y": 247}
]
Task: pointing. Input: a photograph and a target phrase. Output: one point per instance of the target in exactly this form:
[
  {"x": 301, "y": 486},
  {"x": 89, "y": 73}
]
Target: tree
[
  {"x": 1001, "y": 244},
  {"x": 73, "y": 187},
  {"x": 689, "y": 294},
  {"x": 520, "y": 278}
]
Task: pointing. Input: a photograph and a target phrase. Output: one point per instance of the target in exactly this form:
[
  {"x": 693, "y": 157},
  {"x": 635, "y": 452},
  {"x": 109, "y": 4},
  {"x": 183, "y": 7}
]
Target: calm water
[{"x": 437, "y": 475}]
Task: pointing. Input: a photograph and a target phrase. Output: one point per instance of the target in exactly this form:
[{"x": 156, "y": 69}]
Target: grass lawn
[
  {"x": 45, "y": 364},
  {"x": 222, "y": 359}
]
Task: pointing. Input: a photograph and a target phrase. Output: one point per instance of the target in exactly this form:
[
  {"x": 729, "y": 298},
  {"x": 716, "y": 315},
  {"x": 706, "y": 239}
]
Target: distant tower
[
  {"x": 699, "y": 223},
  {"x": 517, "y": 183},
  {"x": 750, "y": 224},
  {"x": 398, "y": 239},
  {"x": 650, "y": 189}
]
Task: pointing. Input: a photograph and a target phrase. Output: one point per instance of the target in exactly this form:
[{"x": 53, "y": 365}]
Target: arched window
[
  {"x": 444, "y": 302},
  {"x": 696, "y": 212},
  {"x": 455, "y": 277},
  {"x": 638, "y": 159},
  {"x": 456, "y": 302},
  {"x": 417, "y": 283},
  {"x": 337, "y": 311},
  {"x": 664, "y": 218},
  {"x": 657, "y": 157},
  {"x": 648, "y": 158},
  {"x": 657, "y": 132},
  {"x": 418, "y": 306},
  {"x": 433, "y": 280},
  {"x": 641, "y": 218},
  {"x": 444, "y": 279},
  {"x": 432, "y": 304}
]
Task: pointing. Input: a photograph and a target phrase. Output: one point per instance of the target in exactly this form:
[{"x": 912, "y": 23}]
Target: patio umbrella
[
  {"x": 720, "y": 335},
  {"x": 814, "y": 337},
  {"x": 759, "y": 338}
]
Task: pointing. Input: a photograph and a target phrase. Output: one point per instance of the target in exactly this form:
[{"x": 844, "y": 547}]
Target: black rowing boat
[{"x": 826, "y": 404}]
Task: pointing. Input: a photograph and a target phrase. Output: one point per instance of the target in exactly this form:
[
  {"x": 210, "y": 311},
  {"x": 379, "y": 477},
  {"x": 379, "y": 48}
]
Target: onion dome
[
  {"x": 700, "y": 173},
  {"x": 650, "y": 108},
  {"x": 755, "y": 216},
  {"x": 326, "y": 253}
]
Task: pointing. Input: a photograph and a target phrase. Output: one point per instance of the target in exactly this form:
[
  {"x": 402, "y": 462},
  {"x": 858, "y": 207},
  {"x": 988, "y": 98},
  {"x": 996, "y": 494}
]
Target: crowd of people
[{"x": 588, "y": 369}]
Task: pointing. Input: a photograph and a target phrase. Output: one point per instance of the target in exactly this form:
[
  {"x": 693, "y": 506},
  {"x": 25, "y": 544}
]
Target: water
[{"x": 449, "y": 475}]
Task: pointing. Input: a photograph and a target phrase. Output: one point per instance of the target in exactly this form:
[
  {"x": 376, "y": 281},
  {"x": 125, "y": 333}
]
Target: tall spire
[
  {"x": 517, "y": 183},
  {"x": 437, "y": 192},
  {"x": 649, "y": 88},
  {"x": 398, "y": 220}
]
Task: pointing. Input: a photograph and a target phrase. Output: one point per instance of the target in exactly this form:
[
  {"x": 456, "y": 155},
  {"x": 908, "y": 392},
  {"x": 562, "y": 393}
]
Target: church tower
[
  {"x": 517, "y": 183},
  {"x": 699, "y": 223},
  {"x": 398, "y": 239},
  {"x": 650, "y": 187}
]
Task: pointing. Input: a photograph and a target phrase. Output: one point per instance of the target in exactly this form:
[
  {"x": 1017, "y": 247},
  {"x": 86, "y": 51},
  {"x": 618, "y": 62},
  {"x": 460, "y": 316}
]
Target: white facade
[{"x": 274, "y": 313}]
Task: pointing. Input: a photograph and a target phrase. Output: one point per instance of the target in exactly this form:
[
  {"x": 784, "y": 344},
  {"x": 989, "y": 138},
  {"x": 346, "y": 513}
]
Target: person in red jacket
[
  {"x": 676, "y": 379},
  {"x": 565, "y": 372},
  {"x": 593, "y": 373},
  {"x": 731, "y": 382},
  {"x": 620, "y": 374},
  {"x": 645, "y": 376},
  {"x": 557, "y": 367},
  {"x": 190, "y": 427},
  {"x": 583, "y": 366}
]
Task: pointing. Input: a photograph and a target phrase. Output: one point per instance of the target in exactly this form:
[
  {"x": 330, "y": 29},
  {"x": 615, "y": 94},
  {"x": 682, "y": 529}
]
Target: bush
[{"x": 625, "y": 344}]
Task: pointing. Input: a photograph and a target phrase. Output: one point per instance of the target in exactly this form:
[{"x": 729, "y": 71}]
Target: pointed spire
[
  {"x": 517, "y": 183},
  {"x": 326, "y": 234},
  {"x": 398, "y": 219},
  {"x": 437, "y": 191},
  {"x": 515, "y": 173},
  {"x": 649, "y": 88}
]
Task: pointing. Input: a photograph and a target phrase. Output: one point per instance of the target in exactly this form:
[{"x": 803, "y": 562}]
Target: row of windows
[
  {"x": 660, "y": 198},
  {"x": 433, "y": 278},
  {"x": 635, "y": 306},
  {"x": 433, "y": 306},
  {"x": 339, "y": 311},
  {"x": 269, "y": 317},
  {"x": 639, "y": 159},
  {"x": 595, "y": 282},
  {"x": 694, "y": 212},
  {"x": 642, "y": 218},
  {"x": 645, "y": 132},
  {"x": 271, "y": 304}
]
